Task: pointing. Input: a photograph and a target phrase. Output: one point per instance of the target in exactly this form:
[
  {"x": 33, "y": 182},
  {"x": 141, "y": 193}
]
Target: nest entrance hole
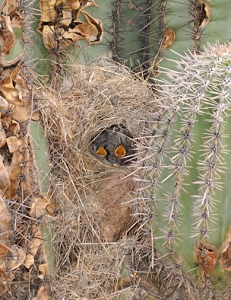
[{"x": 113, "y": 146}]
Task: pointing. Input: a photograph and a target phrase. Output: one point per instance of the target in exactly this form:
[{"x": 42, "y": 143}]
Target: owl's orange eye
[
  {"x": 120, "y": 151},
  {"x": 101, "y": 151}
]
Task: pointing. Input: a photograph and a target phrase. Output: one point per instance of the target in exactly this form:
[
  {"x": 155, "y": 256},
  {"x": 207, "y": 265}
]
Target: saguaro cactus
[
  {"x": 182, "y": 159},
  {"x": 185, "y": 174}
]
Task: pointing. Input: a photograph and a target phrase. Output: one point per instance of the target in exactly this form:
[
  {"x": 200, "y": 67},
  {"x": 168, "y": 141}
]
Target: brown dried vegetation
[
  {"x": 21, "y": 236},
  {"x": 61, "y": 25},
  {"x": 21, "y": 241},
  {"x": 93, "y": 198}
]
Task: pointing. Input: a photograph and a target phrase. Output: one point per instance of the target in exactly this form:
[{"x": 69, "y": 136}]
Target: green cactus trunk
[{"x": 186, "y": 172}]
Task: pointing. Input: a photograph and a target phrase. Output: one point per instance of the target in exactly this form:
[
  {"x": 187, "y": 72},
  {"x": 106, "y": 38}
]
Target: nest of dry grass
[{"x": 91, "y": 241}]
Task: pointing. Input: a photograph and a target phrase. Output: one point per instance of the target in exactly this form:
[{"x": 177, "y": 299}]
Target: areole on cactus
[{"x": 185, "y": 172}]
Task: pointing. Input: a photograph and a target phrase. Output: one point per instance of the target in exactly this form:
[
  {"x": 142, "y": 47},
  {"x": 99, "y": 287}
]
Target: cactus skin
[
  {"x": 185, "y": 172},
  {"x": 41, "y": 155},
  {"x": 135, "y": 32}
]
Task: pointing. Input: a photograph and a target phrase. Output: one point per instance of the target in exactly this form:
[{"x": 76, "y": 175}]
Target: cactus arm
[
  {"x": 204, "y": 84},
  {"x": 42, "y": 161},
  {"x": 36, "y": 55},
  {"x": 220, "y": 22},
  {"x": 183, "y": 19}
]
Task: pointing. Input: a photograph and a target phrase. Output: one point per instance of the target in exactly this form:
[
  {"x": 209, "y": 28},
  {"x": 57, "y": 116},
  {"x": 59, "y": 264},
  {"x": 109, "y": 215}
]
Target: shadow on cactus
[{"x": 184, "y": 171}]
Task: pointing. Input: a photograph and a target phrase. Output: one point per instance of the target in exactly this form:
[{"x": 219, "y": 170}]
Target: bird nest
[{"x": 93, "y": 117}]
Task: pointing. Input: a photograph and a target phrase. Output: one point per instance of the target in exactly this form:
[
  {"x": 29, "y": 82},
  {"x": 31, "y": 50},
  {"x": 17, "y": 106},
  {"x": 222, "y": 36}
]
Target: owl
[{"x": 113, "y": 146}]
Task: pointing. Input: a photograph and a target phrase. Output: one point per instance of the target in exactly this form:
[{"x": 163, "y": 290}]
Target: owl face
[{"x": 113, "y": 146}]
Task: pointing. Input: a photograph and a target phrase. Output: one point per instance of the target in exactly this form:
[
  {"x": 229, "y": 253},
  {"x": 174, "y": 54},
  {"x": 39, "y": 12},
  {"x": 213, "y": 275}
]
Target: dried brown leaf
[
  {"x": 41, "y": 206},
  {"x": 13, "y": 143},
  {"x": 23, "y": 104},
  {"x": 49, "y": 38},
  {"x": 87, "y": 3},
  {"x": 55, "y": 36},
  {"x": 7, "y": 37},
  {"x": 43, "y": 270},
  {"x": 71, "y": 36},
  {"x": 4, "y": 105},
  {"x": 67, "y": 17},
  {"x": 17, "y": 258},
  {"x": 169, "y": 38},
  {"x": 207, "y": 256},
  {"x": 225, "y": 260},
  {"x": 15, "y": 171},
  {"x": 7, "y": 87},
  {"x": 20, "y": 85},
  {"x": 72, "y": 4},
  {"x": 35, "y": 116},
  {"x": 93, "y": 30},
  {"x": 17, "y": 20},
  {"x": 48, "y": 12},
  {"x": 11, "y": 7},
  {"x": 5, "y": 218},
  {"x": 14, "y": 90},
  {"x": 14, "y": 128},
  {"x": 204, "y": 15},
  {"x": 43, "y": 294},
  {"x": 36, "y": 242},
  {"x": 2, "y": 136},
  {"x": 22, "y": 113},
  {"x": 201, "y": 13},
  {"x": 5, "y": 184}
]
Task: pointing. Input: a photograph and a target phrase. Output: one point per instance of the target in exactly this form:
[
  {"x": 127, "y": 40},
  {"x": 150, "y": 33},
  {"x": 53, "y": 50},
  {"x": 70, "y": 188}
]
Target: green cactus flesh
[
  {"x": 41, "y": 155},
  {"x": 187, "y": 162},
  {"x": 135, "y": 31},
  {"x": 195, "y": 25}
]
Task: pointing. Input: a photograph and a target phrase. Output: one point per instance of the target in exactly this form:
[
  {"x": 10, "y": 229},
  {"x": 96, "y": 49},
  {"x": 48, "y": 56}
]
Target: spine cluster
[
  {"x": 184, "y": 141},
  {"x": 136, "y": 32}
]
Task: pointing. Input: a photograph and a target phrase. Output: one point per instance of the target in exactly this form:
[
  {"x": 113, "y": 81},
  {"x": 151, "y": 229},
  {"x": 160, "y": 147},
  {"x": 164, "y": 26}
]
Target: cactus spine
[{"x": 185, "y": 167}]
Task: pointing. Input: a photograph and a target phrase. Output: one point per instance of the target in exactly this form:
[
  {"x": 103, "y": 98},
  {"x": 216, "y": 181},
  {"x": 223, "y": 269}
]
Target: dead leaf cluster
[
  {"x": 207, "y": 256},
  {"x": 15, "y": 112},
  {"x": 225, "y": 259},
  {"x": 61, "y": 23},
  {"x": 21, "y": 205},
  {"x": 10, "y": 17},
  {"x": 201, "y": 13}
]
